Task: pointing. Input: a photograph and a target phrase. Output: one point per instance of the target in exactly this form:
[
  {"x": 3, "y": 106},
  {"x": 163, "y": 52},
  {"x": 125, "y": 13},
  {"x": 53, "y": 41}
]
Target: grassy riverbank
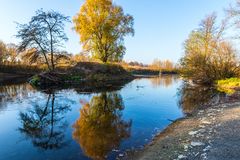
[
  {"x": 148, "y": 71},
  {"x": 83, "y": 75},
  {"x": 229, "y": 85},
  {"x": 86, "y": 76}
]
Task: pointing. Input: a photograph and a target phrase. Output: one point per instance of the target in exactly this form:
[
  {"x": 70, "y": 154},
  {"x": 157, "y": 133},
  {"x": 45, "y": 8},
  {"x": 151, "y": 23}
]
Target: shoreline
[
  {"x": 87, "y": 75},
  {"x": 11, "y": 78},
  {"x": 200, "y": 136}
]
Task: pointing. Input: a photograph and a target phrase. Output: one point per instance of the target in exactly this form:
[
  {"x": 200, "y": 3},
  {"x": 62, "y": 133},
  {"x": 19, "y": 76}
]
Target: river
[{"x": 67, "y": 124}]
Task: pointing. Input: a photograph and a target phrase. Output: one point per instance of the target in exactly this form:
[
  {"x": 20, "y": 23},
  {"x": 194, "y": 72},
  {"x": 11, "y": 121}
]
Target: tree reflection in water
[
  {"x": 45, "y": 125},
  {"x": 100, "y": 127},
  {"x": 163, "y": 80},
  {"x": 13, "y": 93},
  {"x": 192, "y": 97}
]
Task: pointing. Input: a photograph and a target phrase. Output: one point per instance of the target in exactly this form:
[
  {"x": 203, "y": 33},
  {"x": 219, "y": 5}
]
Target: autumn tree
[
  {"x": 208, "y": 57},
  {"x": 12, "y": 53},
  {"x": 44, "y": 34},
  {"x": 102, "y": 27},
  {"x": 3, "y": 51},
  {"x": 8, "y": 53},
  {"x": 166, "y": 65}
]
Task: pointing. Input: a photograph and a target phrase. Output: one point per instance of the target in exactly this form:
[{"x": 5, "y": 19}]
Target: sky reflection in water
[{"x": 70, "y": 125}]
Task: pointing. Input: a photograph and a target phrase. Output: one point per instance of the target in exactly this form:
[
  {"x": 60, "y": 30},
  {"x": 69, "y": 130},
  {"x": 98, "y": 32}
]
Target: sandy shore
[{"x": 213, "y": 134}]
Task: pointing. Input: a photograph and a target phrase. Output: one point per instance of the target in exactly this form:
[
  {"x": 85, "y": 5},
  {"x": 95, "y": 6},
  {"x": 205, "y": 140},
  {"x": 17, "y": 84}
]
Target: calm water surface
[{"x": 70, "y": 125}]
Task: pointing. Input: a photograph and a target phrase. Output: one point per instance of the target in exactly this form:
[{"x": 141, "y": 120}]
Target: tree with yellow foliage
[
  {"x": 3, "y": 50},
  {"x": 102, "y": 27}
]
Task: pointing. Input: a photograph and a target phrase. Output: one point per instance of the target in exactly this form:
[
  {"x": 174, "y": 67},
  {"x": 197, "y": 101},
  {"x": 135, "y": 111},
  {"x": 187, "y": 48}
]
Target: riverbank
[
  {"x": 148, "y": 71},
  {"x": 10, "y": 78},
  {"x": 92, "y": 72},
  {"x": 212, "y": 134},
  {"x": 228, "y": 85},
  {"x": 17, "y": 73},
  {"x": 85, "y": 76}
]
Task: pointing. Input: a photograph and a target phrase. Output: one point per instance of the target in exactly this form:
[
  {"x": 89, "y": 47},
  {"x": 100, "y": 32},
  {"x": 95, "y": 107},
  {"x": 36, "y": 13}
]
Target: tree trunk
[
  {"x": 52, "y": 61},
  {"x": 45, "y": 57},
  {"x": 105, "y": 59}
]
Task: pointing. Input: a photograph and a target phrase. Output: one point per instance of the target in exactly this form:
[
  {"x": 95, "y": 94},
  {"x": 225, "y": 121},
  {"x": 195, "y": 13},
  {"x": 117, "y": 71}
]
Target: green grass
[
  {"x": 228, "y": 85},
  {"x": 35, "y": 80}
]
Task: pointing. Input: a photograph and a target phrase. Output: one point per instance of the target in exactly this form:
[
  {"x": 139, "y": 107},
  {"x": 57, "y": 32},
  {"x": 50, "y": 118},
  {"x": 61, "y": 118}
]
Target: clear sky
[{"x": 161, "y": 26}]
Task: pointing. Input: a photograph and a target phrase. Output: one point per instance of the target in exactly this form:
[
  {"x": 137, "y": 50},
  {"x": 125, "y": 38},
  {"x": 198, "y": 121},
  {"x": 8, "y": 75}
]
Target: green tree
[
  {"x": 102, "y": 27},
  {"x": 45, "y": 34}
]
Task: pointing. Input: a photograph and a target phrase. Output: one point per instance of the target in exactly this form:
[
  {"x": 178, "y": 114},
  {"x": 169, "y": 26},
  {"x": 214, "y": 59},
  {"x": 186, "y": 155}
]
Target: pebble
[
  {"x": 202, "y": 130},
  {"x": 196, "y": 154},
  {"x": 224, "y": 106},
  {"x": 115, "y": 150},
  {"x": 204, "y": 156},
  {"x": 192, "y": 133},
  {"x": 181, "y": 156},
  {"x": 185, "y": 148},
  {"x": 194, "y": 144},
  {"x": 206, "y": 122},
  {"x": 202, "y": 126},
  {"x": 211, "y": 114},
  {"x": 206, "y": 149},
  {"x": 121, "y": 155}
]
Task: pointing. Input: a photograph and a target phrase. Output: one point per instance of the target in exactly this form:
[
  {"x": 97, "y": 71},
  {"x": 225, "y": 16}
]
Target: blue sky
[{"x": 161, "y": 26}]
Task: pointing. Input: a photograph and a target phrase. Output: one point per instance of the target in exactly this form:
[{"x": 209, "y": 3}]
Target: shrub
[{"x": 207, "y": 57}]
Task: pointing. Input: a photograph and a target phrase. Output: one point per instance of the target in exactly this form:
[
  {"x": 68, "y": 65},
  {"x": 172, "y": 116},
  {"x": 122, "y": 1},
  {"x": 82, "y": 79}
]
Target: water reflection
[
  {"x": 13, "y": 92},
  {"x": 193, "y": 97},
  {"x": 163, "y": 80},
  {"x": 100, "y": 127},
  {"x": 44, "y": 124}
]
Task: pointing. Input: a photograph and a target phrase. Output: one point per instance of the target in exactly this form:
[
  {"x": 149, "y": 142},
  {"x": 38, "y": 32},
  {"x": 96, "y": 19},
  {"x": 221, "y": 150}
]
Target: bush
[{"x": 207, "y": 56}]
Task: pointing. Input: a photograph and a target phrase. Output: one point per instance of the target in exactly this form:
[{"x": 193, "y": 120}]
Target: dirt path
[{"x": 212, "y": 134}]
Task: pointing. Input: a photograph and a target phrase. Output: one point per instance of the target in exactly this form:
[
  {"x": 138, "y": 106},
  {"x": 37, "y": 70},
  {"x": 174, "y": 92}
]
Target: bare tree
[
  {"x": 45, "y": 34},
  {"x": 233, "y": 15}
]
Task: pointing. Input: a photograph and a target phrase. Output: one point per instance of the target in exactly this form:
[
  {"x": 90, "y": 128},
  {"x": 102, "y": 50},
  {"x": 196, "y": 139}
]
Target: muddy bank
[
  {"x": 212, "y": 134},
  {"x": 110, "y": 83},
  {"x": 12, "y": 78}
]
